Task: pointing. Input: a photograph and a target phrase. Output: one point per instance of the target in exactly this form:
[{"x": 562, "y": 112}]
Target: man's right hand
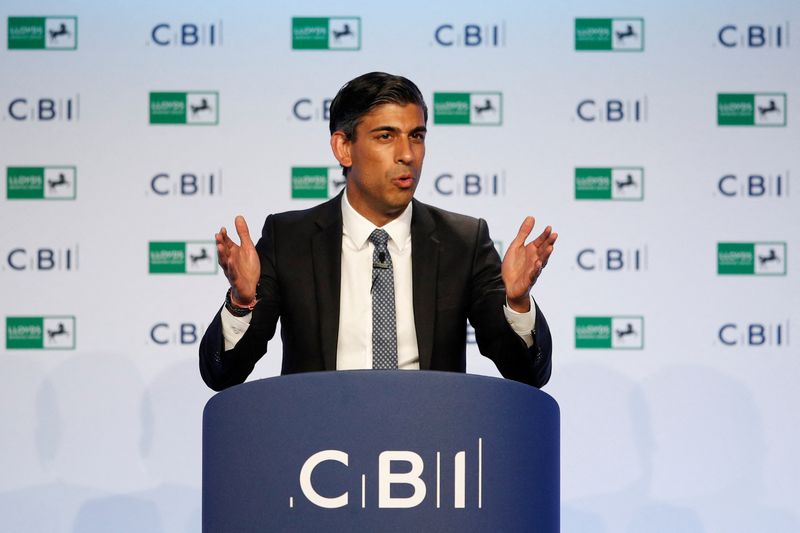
[{"x": 240, "y": 263}]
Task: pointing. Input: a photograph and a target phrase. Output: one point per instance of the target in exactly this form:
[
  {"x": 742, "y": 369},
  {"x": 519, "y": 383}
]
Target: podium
[{"x": 381, "y": 451}]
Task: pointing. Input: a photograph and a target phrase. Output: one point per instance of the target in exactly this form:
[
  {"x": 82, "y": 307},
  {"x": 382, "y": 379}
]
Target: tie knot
[{"x": 379, "y": 238}]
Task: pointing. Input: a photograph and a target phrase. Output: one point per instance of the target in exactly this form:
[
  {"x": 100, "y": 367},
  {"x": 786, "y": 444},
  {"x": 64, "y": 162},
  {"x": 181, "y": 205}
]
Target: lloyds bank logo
[
  {"x": 609, "y": 332},
  {"x": 751, "y": 258},
  {"x": 751, "y": 109},
  {"x": 43, "y": 33},
  {"x": 184, "y": 257},
  {"x": 326, "y": 33},
  {"x": 624, "y": 34},
  {"x": 40, "y": 333},
  {"x": 194, "y": 108},
  {"x": 482, "y": 108},
  {"x": 316, "y": 182},
  {"x": 609, "y": 183},
  {"x": 41, "y": 183}
]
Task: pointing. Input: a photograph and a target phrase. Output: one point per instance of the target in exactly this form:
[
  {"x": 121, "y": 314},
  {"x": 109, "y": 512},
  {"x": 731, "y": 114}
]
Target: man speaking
[{"x": 374, "y": 278}]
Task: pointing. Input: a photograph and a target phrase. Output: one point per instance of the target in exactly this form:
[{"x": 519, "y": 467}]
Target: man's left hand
[{"x": 523, "y": 264}]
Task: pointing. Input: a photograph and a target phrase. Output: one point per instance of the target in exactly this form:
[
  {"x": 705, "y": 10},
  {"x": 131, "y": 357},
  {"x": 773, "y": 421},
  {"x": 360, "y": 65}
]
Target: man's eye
[{"x": 384, "y": 136}]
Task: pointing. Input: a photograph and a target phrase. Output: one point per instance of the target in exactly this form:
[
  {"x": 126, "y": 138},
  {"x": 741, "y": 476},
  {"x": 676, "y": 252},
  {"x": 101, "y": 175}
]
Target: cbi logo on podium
[
  {"x": 193, "y": 108},
  {"x": 41, "y": 183},
  {"x": 401, "y": 468},
  {"x": 42, "y": 33},
  {"x": 326, "y": 33},
  {"x": 183, "y": 257},
  {"x": 609, "y": 332},
  {"x": 40, "y": 332}
]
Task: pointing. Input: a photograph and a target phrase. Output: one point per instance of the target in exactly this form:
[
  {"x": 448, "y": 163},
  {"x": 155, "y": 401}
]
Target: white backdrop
[{"x": 685, "y": 424}]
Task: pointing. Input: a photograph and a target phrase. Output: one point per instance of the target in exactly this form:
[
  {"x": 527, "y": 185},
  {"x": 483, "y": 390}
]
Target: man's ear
[{"x": 340, "y": 145}]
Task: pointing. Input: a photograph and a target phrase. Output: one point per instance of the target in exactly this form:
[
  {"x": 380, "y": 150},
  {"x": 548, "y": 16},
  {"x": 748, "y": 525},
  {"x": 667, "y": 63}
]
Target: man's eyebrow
[{"x": 395, "y": 129}]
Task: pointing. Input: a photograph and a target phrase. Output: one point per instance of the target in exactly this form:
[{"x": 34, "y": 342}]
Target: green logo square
[
  {"x": 609, "y": 332},
  {"x": 40, "y": 333},
  {"x": 167, "y": 108},
  {"x": 326, "y": 33},
  {"x": 751, "y": 109},
  {"x": 592, "y": 332},
  {"x": 751, "y": 258},
  {"x": 310, "y": 182},
  {"x": 194, "y": 108},
  {"x": 617, "y": 183},
  {"x": 480, "y": 108},
  {"x": 621, "y": 34},
  {"x": 41, "y": 183},
  {"x": 182, "y": 257},
  {"x": 42, "y": 33},
  {"x": 736, "y": 109}
]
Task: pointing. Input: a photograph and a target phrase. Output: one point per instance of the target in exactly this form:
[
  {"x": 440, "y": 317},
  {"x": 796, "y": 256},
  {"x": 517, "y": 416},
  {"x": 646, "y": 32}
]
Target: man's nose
[{"x": 403, "y": 152}]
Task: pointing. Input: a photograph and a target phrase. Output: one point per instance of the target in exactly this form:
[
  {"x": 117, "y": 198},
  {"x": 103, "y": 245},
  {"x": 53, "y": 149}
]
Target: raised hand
[
  {"x": 240, "y": 263},
  {"x": 523, "y": 263}
]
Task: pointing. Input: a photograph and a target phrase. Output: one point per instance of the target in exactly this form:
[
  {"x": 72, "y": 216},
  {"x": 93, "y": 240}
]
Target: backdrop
[{"x": 659, "y": 141}]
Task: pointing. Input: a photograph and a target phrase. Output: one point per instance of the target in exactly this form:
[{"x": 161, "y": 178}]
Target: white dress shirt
[{"x": 354, "y": 345}]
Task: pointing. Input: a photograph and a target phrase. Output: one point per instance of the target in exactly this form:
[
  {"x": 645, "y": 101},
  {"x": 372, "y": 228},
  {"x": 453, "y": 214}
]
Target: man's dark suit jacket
[{"x": 456, "y": 276}]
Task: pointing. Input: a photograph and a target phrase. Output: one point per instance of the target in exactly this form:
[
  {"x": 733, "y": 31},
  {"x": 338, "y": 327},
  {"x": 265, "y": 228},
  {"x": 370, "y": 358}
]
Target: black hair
[{"x": 361, "y": 95}]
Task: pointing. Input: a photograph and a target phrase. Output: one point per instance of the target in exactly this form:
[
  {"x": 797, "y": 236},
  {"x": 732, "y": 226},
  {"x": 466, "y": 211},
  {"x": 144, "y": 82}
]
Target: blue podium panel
[{"x": 381, "y": 451}]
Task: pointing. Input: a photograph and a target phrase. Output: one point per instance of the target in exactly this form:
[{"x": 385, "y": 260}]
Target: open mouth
[{"x": 404, "y": 182}]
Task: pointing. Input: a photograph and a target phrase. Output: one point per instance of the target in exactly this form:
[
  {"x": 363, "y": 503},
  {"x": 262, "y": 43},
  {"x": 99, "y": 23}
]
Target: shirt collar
[{"x": 358, "y": 228}]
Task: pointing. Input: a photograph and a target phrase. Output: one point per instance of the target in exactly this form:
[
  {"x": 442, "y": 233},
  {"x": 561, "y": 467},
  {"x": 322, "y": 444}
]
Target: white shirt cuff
[
  {"x": 233, "y": 327},
  {"x": 522, "y": 323}
]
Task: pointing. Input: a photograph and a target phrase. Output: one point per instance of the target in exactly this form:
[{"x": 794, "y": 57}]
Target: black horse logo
[
  {"x": 62, "y": 180},
  {"x": 61, "y": 330},
  {"x": 627, "y": 183},
  {"x": 487, "y": 106},
  {"x": 202, "y": 107},
  {"x": 771, "y": 108},
  {"x": 763, "y": 259},
  {"x": 622, "y": 35},
  {"x": 203, "y": 255},
  {"x": 624, "y": 332},
  {"x": 62, "y": 30},
  {"x": 343, "y": 32}
]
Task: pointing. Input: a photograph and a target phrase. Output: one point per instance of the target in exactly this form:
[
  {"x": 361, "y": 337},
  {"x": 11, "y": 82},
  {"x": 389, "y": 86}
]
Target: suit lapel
[
  {"x": 424, "y": 266},
  {"x": 326, "y": 247}
]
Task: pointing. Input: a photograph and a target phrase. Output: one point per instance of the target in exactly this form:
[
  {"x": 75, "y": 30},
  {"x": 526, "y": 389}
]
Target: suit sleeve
[
  {"x": 221, "y": 369},
  {"x": 496, "y": 340}
]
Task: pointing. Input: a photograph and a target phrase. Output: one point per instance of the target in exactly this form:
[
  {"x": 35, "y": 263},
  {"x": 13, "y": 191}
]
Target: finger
[
  {"x": 243, "y": 231},
  {"x": 546, "y": 255},
  {"x": 543, "y": 236},
  {"x": 524, "y": 231},
  {"x": 226, "y": 240}
]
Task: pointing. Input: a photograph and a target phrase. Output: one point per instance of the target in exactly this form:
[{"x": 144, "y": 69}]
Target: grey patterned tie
[{"x": 384, "y": 324}]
